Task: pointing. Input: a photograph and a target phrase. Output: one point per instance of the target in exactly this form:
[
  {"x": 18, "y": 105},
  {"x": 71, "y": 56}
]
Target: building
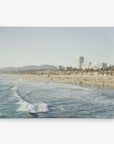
[
  {"x": 68, "y": 68},
  {"x": 103, "y": 66},
  {"x": 89, "y": 65},
  {"x": 86, "y": 65},
  {"x": 80, "y": 61},
  {"x": 97, "y": 66},
  {"x": 60, "y": 67}
]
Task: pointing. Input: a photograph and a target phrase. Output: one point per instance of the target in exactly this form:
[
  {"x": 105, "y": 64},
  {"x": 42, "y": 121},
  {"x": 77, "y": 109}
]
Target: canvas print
[{"x": 57, "y": 72}]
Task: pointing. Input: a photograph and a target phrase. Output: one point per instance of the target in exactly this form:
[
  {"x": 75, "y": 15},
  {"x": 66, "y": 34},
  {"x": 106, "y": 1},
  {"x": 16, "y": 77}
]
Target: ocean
[{"x": 30, "y": 98}]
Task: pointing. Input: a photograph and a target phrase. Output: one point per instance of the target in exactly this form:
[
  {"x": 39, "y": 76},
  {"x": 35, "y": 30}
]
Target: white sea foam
[
  {"x": 3, "y": 115},
  {"x": 42, "y": 107},
  {"x": 31, "y": 108},
  {"x": 75, "y": 87}
]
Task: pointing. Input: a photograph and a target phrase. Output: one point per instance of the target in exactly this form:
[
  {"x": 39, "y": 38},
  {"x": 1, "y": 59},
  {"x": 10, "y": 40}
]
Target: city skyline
[{"x": 20, "y": 46}]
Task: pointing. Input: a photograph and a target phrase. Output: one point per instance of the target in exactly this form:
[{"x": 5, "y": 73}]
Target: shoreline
[{"x": 78, "y": 79}]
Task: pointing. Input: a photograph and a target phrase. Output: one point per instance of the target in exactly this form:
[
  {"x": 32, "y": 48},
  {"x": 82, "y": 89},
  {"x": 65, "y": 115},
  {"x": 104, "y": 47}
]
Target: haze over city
[{"x": 20, "y": 46}]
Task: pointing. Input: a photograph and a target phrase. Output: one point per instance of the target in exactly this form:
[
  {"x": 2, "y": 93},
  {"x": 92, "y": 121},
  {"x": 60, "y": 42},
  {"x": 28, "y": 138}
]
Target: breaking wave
[
  {"x": 76, "y": 87},
  {"x": 29, "y": 107},
  {"x": 5, "y": 87},
  {"x": 3, "y": 115}
]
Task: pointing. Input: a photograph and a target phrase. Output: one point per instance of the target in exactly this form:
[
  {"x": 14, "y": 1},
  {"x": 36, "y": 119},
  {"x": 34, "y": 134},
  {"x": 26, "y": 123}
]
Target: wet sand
[{"x": 79, "y": 79}]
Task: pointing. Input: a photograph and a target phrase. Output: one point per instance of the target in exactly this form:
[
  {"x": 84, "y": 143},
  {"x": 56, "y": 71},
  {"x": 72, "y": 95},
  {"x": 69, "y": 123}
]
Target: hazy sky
[{"x": 21, "y": 46}]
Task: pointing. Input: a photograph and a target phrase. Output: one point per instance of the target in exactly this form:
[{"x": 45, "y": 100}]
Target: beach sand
[{"x": 79, "y": 78}]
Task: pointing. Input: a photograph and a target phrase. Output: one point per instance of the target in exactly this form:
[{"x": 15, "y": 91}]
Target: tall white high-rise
[{"x": 80, "y": 60}]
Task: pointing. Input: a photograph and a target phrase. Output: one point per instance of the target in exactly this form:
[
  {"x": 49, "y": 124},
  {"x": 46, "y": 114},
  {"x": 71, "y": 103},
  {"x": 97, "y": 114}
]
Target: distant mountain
[
  {"x": 8, "y": 68},
  {"x": 41, "y": 67},
  {"x": 29, "y": 67}
]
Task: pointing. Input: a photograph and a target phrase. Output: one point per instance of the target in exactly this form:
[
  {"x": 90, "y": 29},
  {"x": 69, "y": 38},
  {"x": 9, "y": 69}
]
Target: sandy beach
[{"x": 101, "y": 80}]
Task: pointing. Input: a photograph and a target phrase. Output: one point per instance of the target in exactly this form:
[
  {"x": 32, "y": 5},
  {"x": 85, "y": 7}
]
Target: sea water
[{"x": 30, "y": 98}]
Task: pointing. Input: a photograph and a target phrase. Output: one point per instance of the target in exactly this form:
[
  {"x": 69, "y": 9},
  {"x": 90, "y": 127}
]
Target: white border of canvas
[{"x": 56, "y": 13}]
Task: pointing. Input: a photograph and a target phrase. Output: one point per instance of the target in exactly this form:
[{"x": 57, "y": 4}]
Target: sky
[{"x": 20, "y": 46}]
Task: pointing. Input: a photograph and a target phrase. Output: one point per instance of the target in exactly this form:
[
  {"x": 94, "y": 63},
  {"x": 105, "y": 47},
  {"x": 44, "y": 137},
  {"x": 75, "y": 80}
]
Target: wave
[
  {"x": 27, "y": 106},
  {"x": 76, "y": 87},
  {"x": 5, "y": 87},
  {"x": 3, "y": 115}
]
